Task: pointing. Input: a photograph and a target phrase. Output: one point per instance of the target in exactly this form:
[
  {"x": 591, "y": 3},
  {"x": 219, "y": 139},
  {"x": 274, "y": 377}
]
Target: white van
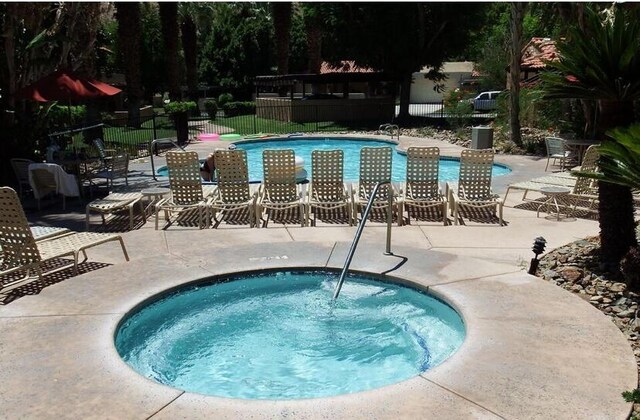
[{"x": 485, "y": 101}]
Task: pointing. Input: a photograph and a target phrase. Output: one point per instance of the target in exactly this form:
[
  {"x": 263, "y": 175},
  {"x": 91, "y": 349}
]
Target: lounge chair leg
[
  {"x": 124, "y": 250},
  {"x": 75, "y": 263}
]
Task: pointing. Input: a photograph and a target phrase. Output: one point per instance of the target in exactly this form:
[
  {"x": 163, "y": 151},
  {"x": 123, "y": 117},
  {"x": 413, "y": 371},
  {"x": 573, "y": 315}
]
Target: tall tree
[
  {"x": 281, "y": 14},
  {"x": 313, "y": 22},
  {"x": 169, "y": 20},
  {"x": 601, "y": 62},
  {"x": 128, "y": 16},
  {"x": 400, "y": 38},
  {"x": 190, "y": 48},
  {"x": 517, "y": 42}
]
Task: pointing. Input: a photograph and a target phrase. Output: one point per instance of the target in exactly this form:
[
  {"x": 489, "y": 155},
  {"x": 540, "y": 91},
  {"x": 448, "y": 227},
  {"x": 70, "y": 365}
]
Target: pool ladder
[
  {"x": 389, "y": 129},
  {"x": 152, "y": 144},
  {"x": 365, "y": 216}
]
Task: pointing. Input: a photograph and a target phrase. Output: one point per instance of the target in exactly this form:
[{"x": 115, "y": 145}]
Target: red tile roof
[
  {"x": 537, "y": 51},
  {"x": 344, "y": 67}
]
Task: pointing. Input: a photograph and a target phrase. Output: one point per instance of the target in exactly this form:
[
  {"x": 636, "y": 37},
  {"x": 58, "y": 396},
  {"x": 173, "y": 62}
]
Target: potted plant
[{"x": 179, "y": 111}]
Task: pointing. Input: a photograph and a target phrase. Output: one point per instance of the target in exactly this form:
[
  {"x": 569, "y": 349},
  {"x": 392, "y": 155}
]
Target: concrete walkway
[{"x": 532, "y": 351}]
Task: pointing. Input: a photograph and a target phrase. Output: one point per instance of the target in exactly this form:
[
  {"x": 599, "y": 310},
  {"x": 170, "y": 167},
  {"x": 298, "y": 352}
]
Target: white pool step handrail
[
  {"x": 354, "y": 244},
  {"x": 153, "y": 143}
]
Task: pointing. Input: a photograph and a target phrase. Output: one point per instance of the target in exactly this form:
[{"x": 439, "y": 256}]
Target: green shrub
[
  {"x": 233, "y": 109},
  {"x": 224, "y": 99},
  {"x": 180, "y": 107},
  {"x": 60, "y": 116},
  {"x": 212, "y": 108}
]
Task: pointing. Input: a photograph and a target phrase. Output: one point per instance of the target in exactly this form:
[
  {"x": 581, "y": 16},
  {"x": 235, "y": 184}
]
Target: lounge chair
[
  {"x": 21, "y": 251},
  {"x": 21, "y": 170},
  {"x": 116, "y": 167},
  {"x": 41, "y": 233},
  {"x": 589, "y": 163},
  {"x": 375, "y": 167},
  {"x": 473, "y": 190},
  {"x": 187, "y": 193},
  {"x": 422, "y": 189},
  {"x": 104, "y": 153},
  {"x": 557, "y": 150},
  {"x": 47, "y": 178},
  {"x": 279, "y": 190},
  {"x": 113, "y": 203},
  {"x": 233, "y": 193},
  {"x": 327, "y": 191}
]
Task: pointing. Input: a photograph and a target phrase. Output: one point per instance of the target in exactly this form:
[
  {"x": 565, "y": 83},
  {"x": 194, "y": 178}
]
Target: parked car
[{"x": 485, "y": 101}]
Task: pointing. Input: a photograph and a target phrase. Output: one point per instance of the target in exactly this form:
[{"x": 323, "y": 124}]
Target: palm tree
[
  {"x": 515, "y": 23},
  {"x": 601, "y": 62},
  {"x": 169, "y": 22},
  {"x": 281, "y": 14},
  {"x": 129, "y": 29}
]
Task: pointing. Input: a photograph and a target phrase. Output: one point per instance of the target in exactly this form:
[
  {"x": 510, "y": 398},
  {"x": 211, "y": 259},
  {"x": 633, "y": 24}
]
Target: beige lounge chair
[
  {"x": 21, "y": 170},
  {"x": 473, "y": 189},
  {"x": 116, "y": 167},
  {"x": 326, "y": 191},
  {"x": 279, "y": 190},
  {"x": 233, "y": 193},
  {"x": 569, "y": 180},
  {"x": 375, "y": 167},
  {"x": 41, "y": 233},
  {"x": 113, "y": 203},
  {"x": 21, "y": 251},
  {"x": 187, "y": 194},
  {"x": 422, "y": 189},
  {"x": 557, "y": 150}
]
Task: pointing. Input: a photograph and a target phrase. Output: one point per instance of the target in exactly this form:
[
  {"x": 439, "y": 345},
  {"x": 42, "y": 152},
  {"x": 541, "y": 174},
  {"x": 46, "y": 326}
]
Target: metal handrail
[
  {"x": 354, "y": 244},
  {"x": 389, "y": 129},
  {"x": 153, "y": 143}
]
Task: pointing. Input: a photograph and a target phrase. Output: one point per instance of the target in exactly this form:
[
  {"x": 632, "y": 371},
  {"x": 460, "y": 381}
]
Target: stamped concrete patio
[{"x": 532, "y": 349}]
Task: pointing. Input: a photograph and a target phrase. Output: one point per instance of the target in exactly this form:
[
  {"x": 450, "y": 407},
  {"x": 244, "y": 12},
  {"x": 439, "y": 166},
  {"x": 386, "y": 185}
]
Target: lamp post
[{"x": 538, "y": 248}]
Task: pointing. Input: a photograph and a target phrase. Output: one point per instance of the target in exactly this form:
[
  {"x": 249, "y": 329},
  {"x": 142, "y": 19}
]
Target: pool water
[
  {"x": 277, "y": 335},
  {"x": 449, "y": 168}
]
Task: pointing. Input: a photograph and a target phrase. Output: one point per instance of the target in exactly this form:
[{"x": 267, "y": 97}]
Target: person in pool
[{"x": 208, "y": 168}]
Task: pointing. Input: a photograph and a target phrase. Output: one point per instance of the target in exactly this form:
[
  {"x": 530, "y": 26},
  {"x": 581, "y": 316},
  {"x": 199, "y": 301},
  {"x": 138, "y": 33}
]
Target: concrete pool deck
[{"x": 532, "y": 349}]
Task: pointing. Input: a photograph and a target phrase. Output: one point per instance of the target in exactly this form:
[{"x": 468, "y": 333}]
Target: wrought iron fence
[{"x": 275, "y": 119}]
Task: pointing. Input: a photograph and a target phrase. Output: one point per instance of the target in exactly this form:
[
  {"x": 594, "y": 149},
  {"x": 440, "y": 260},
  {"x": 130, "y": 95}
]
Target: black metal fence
[{"x": 275, "y": 119}]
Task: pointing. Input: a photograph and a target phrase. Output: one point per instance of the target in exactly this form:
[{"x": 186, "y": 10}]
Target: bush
[
  {"x": 233, "y": 109},
  {"x": 212, "y": 108},
  {"x": 180, "y": 107},
  {"x": 224, "y": 99}
]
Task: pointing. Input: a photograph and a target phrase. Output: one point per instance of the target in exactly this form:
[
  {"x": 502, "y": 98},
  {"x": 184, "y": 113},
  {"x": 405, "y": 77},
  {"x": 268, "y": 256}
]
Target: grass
[{"x": 249, "y": 124}]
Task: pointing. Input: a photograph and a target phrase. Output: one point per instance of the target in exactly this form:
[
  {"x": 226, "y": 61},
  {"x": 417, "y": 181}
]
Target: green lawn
[{"x": 249, "y": 124}]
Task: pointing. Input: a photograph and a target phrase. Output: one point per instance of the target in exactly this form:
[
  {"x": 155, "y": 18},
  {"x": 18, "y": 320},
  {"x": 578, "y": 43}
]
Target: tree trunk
[
  {"x": 281, "y": 13},
  {"x": 314, "y": 46},
  {"x": 169, "y": 23},
  {"x": 615, "y": 208},
  {"x": 129, "y": 29},
  {"x": 190, "y": 48},
  {"x": 517, "y": 16},
  {"x": 405, "y": 98}
]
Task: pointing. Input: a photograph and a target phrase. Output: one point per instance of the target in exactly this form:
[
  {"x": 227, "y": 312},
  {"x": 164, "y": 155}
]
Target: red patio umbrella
[{"x": 63, "y": 86}]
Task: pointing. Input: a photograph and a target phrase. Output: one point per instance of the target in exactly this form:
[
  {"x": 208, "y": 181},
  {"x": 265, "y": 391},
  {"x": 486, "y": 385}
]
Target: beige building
[{"x": 423, "y": 90}]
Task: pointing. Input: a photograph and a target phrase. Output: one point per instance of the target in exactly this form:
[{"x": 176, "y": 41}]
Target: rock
[
  {"x": 596, "y": 299},
  {"x": 571, "y": 273},
  {"x": 618, "y": 287},
  {"x": 550, "y": 274},
  {"x": 626, "y": 314}
]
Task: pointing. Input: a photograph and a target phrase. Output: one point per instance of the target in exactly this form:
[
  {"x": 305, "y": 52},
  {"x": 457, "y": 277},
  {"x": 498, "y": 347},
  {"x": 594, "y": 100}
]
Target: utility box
[{"x": 481, "y": 137}]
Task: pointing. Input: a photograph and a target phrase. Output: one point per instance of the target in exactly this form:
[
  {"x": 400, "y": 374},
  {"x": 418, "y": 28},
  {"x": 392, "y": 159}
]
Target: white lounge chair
[
  {"x": 233, "y": 193},
  {"x": 473, "y": 190},
  {"x": 326, "y": 191},
  {"x": 279, "y": 191},
  {"x": 21, "y": 251},
  {"x": 422, "y": 188}
]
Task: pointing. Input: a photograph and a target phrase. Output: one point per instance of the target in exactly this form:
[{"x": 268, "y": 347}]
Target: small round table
[
  {"x": 552, "y": 194},
  {"x": 153, "y": 196}
]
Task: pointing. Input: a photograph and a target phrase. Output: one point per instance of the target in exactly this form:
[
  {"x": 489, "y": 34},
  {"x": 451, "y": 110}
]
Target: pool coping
[{"x": 514, "y": 363}]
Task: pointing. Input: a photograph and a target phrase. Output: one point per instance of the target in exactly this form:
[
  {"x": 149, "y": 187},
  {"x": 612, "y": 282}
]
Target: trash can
[{"x": 481, "y": 137}]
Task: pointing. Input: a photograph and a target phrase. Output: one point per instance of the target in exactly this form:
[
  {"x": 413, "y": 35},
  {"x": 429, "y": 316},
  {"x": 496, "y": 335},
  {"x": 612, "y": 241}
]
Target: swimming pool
[
  {"x": 278, "y": 335},
  {"x": 449, "y": 167}
]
